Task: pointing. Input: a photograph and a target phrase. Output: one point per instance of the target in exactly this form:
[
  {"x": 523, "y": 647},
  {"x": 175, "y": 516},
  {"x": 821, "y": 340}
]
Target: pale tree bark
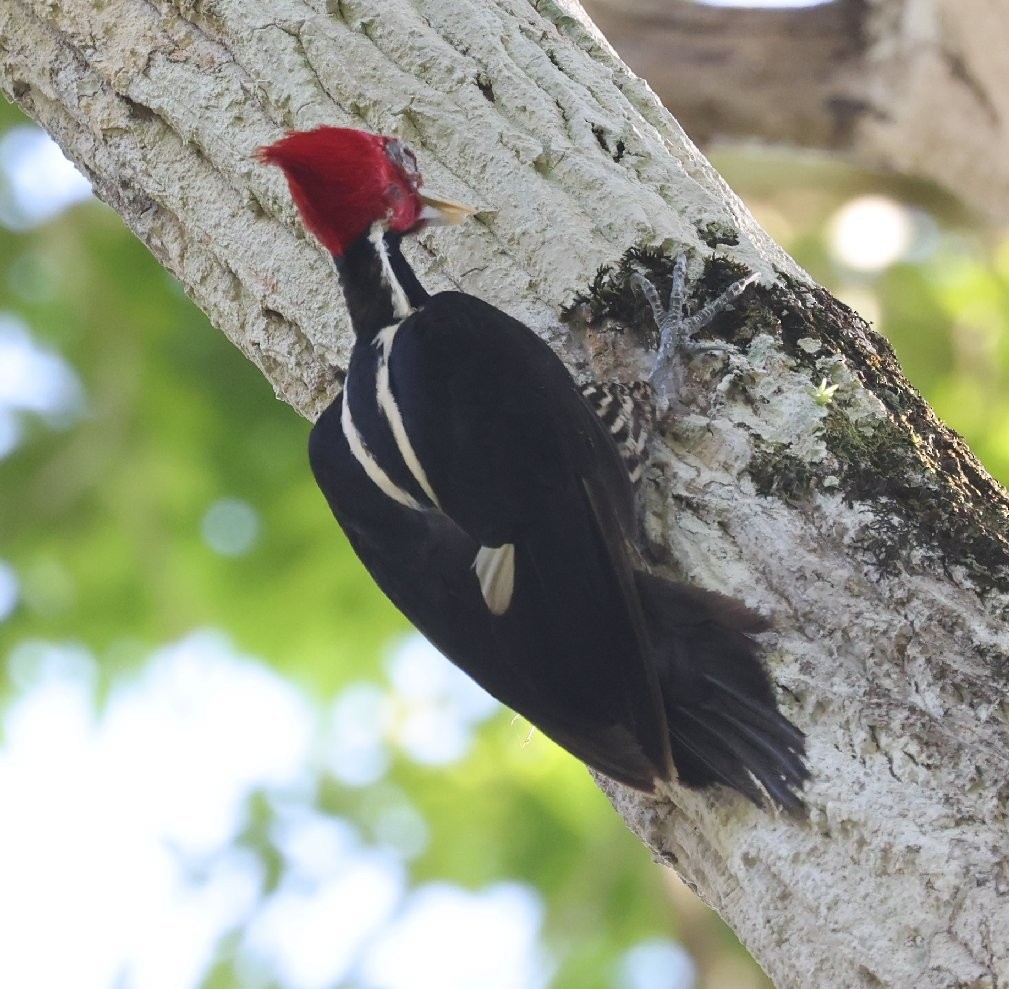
[
  {"x": 916, "y": 87},
  {"x": 859, "y": 522}
]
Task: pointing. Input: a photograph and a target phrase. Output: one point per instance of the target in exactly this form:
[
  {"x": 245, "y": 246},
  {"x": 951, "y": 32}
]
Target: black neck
[{"x": 376, "y": 283}]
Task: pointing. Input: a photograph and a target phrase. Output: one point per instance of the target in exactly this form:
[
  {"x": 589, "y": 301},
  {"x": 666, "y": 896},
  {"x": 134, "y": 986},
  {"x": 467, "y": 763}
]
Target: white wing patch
[
  {"x": 387, "y": 403},
  {"x": 495, "y": 568}
]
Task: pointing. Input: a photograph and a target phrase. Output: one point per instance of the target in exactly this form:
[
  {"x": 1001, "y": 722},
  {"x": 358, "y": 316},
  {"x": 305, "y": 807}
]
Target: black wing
[
  {"x": 515, "y": 456},
  {"x": 423, "y": 562}
]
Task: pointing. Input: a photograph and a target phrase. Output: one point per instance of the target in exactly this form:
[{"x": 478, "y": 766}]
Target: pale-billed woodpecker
[{"x": 491, "y": 505}]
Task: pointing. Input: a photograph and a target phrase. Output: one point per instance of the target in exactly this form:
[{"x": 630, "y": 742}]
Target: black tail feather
[{"x": 724, "y": 722}]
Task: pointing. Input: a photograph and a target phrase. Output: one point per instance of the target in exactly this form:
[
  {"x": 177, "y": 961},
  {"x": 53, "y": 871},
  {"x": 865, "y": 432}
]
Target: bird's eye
[{"x": 404, "y": 158}]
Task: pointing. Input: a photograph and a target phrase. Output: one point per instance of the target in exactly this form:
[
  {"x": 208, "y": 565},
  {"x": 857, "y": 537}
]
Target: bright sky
[
  {"x": 35, "y": 380},
  {"x": 116, "y": 841},
  {"x": 39, "y": 183}
]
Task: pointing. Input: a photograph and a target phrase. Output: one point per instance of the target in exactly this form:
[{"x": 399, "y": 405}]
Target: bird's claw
[{"x": 676, "y": 331}]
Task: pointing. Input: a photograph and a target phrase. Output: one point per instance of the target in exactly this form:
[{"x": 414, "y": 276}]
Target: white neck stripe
[
  {"x": 387, "y": 403},
  {"x": 401, "y": 307},
  {"x": 364, "y": 457}
]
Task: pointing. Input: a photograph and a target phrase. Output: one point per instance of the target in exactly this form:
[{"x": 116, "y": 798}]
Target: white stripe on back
[
  {"x": 364, "y": 457},
  {"x": 387, "y": 403}
]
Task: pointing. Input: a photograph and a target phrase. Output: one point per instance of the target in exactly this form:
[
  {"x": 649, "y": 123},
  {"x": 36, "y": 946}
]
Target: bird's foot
[{"x": 676, "y": 331}]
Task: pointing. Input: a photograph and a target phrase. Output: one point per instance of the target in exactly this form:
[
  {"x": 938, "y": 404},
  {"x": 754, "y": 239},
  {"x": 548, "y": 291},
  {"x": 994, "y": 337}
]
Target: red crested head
[{"x": 343, "y": 180}]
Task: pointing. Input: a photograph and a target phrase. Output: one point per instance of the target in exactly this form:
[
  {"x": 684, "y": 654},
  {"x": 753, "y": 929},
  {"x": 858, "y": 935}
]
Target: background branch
[{"x": 914, "y": 87}]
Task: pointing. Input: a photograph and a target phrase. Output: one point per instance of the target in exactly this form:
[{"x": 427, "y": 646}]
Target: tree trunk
[
  {"x": 916, "y": 87},
  {"x": 858, "y": 521}
]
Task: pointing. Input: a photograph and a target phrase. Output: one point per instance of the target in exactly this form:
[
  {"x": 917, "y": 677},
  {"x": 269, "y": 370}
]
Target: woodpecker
[{"x": 491, "y": 505}]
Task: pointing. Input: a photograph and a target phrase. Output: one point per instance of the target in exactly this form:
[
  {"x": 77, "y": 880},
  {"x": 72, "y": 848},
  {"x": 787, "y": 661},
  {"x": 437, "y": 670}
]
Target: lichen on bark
[{"x": 882, "y": 446}]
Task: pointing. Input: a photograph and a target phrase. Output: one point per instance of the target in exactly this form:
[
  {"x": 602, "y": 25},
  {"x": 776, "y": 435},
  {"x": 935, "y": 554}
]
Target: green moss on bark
[{"x": 927, "y": 491}]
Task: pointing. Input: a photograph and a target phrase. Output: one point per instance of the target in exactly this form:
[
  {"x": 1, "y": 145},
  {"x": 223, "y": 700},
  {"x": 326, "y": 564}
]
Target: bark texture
[
  {"x": 917, "y": 87},
  {"x": 857, "y": 520}
]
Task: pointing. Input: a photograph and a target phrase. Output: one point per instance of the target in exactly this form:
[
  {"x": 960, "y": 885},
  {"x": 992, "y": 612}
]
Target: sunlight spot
[
  {"x": 871, "y": 233},
  {"x": 230, "y": 527},
  {"x": 314, "y": 844},
  {"x": 657, "y": 964},
  {"x": 35, "y": 663},
  {"x": 431, "y": 736},
  {"x": 182, "y": 935},
  {"x": 189, "y": 686},
  {"x": 34, "y": 378},
  {"x": 356, "y": 753},
  {"x": 36, "y": 181},
  {"x": 451, "y": 938},
  {"x": 440, "y": 706},
  {"x": 309, "y": 933},
  {"x": 420, "y": 672}
]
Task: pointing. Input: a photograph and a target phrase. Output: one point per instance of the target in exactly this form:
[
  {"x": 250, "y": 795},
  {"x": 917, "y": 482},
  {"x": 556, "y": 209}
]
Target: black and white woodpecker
[{"x": 491, "y": 505}]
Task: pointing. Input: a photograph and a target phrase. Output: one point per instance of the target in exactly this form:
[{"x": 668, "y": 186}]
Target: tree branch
[
  {"x": 863, "y": 524},
  {"x": 915, "y": 87}
]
